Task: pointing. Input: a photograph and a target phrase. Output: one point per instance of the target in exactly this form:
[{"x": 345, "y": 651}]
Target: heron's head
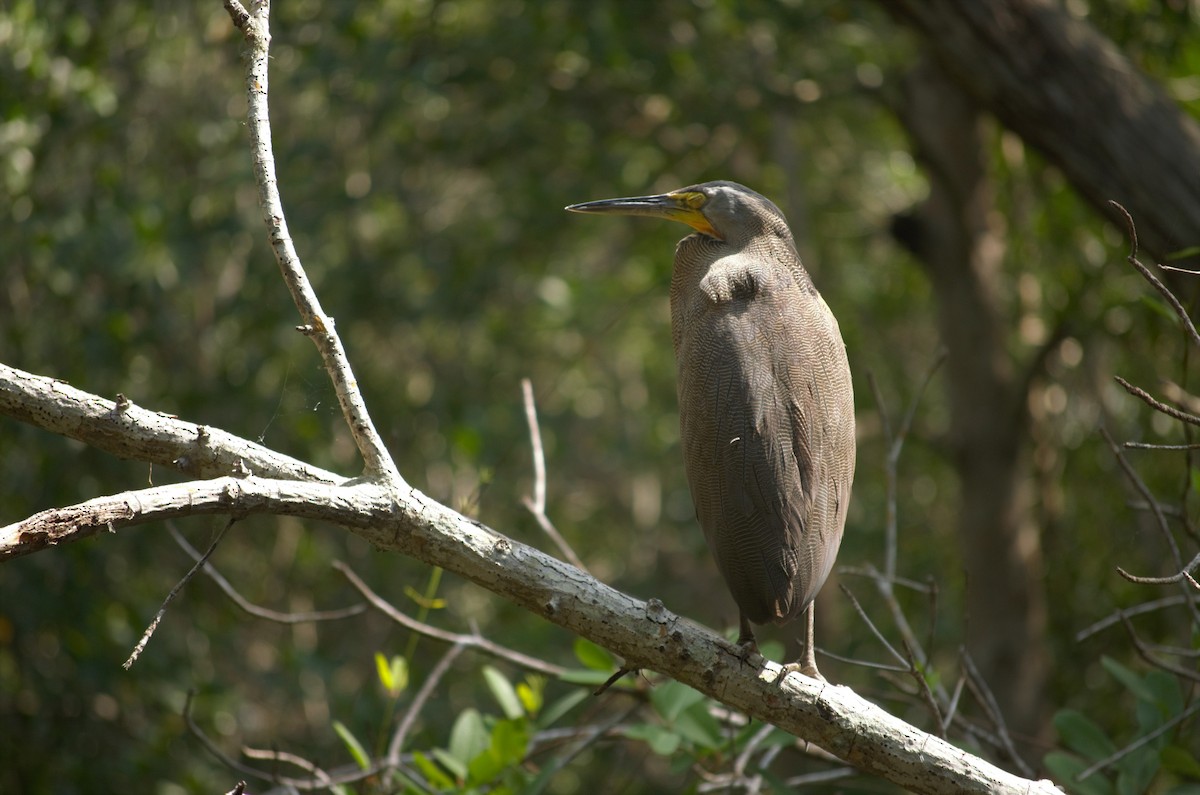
[{"x": 723, "y": 210}]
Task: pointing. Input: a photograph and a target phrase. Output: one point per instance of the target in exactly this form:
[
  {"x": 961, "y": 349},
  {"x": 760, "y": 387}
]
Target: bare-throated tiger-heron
[{"x": 766, "y": 407}]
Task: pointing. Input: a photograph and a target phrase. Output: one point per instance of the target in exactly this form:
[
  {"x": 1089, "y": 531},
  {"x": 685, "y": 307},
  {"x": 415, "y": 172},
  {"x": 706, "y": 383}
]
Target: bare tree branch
[
  {"x": 200, "y": 561},
  {"x": 127, "y": 431},
  {"x": 537, "y": 504},
  {"x": 1157, "y": 405},
  {"x": 253, "y": 609},
  {"x": 473, "y": 641},
  {"x": 317, "y": 326},
  {"x": 646, "y": 635}
]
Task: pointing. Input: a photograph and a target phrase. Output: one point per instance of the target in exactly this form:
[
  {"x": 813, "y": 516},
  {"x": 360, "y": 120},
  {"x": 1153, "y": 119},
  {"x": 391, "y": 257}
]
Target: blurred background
[{"x": 425, "y": 150}]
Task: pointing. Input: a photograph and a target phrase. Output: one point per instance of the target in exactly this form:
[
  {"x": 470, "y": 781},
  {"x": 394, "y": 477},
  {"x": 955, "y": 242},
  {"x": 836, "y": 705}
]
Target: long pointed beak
[{"x": 665, "y": 205}]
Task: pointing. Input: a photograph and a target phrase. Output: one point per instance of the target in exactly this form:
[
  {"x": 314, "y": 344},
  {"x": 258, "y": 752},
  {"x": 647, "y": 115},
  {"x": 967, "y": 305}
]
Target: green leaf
[
  {"x": 1065, "y": 767},
  {"x": 510, "y": 739},
  {"x": 1167, "y": 693},
  {"x": 532, "y": 693},
  {"x": 502, "y": 691},
  {"x": 468, "y": 737},
  {"x": 427, "y": 603},
  {"x": 457, "y": 767},
  {"x": 394, "y": 675},
  {"x": 580, "y": 676},
  {"x": 1136, "y": 771},
  {"x": 592, "y": 656},
  {"x": 561, "y": 707},
  {"x": 672, "y": 698},
  {"x": 352, "y": 744},
  {"x": 1133, "y": 683},
  {"x": 661, "y": 741},
  {"x": 1081, "y": 735},
  {"x": 697, "y": 725},
  {"x": 1183, "y": 253},
  {"x": 1180, "y": 761},
  {"x": 385, "y": 672},
  {"x": 433, "y": 774}
]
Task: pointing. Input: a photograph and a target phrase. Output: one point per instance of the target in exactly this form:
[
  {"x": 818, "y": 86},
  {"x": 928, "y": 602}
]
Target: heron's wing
[{"x": 765, "y": 404}]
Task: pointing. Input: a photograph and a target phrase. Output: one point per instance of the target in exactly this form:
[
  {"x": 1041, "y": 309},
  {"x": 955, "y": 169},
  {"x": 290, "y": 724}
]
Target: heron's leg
[
  {"x": 807, "y": 664},
  {"x": 746, "y": 639}
]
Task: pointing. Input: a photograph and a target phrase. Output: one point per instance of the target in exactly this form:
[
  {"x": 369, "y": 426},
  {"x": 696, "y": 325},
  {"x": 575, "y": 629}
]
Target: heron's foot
[
  {"x": 806, "y": 667},
  {"x": 746, "y": 642}
]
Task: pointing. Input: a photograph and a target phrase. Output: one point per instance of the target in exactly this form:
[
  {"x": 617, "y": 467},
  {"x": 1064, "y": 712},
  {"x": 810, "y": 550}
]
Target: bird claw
[{"x": 808, "y": 669}]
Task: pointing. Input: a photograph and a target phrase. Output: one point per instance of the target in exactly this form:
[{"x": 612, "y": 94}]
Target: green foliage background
[{"x": 425, "y": 150}]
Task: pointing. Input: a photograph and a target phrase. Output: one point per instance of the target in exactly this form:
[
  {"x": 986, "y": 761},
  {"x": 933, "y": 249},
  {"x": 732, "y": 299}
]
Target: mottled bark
[{"x": 1068, "y": 91}]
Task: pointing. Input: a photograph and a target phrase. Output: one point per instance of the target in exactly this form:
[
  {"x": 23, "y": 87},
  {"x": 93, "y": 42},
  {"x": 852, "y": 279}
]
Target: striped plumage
[{"x": 766, "y": 406}]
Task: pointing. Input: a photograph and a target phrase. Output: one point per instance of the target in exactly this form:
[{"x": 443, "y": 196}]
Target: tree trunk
[
  {"x": 950, "y": 234},
  {"x": 1066, "y": 89}
]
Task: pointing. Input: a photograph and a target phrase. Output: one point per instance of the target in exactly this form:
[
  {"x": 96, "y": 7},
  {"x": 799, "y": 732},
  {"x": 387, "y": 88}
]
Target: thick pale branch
[
  {"x": 645, "y": 634},
  {"x": 127, "y": 431},
  {"x": 255, "y": 26}
]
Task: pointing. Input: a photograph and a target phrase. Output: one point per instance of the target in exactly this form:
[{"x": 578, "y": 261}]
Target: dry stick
[
  {"x": 324, "y": 780},
  {"x": 1138, "y": 743},
  {"x": 587, "y": 740},
  {"x": 871, "y": 626},
  {"x": 1157, "y": 405},
  {"x": 1145, "y": 654},
  {"x": 1160, "y": 519},
  {"x": 475, "y": 640},
  {"x": 1142, "y": 489},
  {"x": 1114, "y": 618},
  {"x": 253, "y": 609},
  {"x": 162, "y": 611},
  {"x": 986, "y": 700},
  {"x": 1150, "y": 277},
  {"x": 952, "y": 709},
  {"x": 537, "y": 504},
  {"x": 271, "y": 755},
  {"x": 418, "y": 702},
  {"x": 1153, "y": 446},
  {"x": 1184, "y": 574},
  {"x": 316, "y": 325},
  {"x": 923, "y": 687}
]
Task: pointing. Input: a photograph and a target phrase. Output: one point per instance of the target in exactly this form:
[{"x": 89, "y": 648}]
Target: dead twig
[
  {"x": 475, "y": 640},
  {"x": 162, "y": 610},
  {"x": 250, "y": 607},
  {"x": 537, "y": 504},
  {"x": 1150, "y": 277}
]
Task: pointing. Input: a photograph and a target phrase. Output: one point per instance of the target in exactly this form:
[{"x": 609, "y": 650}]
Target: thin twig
[
  {"x": 475, "y": 641},
  {"x": 1146, "y": 494},
  {"x": 418, "y": 702},
  {"x": 1145, "y": 654},
  {"x": 322, "y": 781},
  {"x": 253, "y": 609},
  {"x": 983, "y": 695},
  {"x": 1154, "y": 281},
  {"x": 952, "y": 707},
  {"x": 316, "y": 325},
  {"x": 1115, "y": 618},
  {"x": 1151, "y": 446},
  {"x": 587, "y": 740},
  {"x": 1184, "y": 574},
  {"x": 1139, "y": 742},
  {"x": 1157, "y": 405},
  {"x": 871, "y": 626},
  {"x": 918, "y": 676},
  {"x": 319, "y": 776},
  {"x": 162, "y": 611},
  {"x": 537, "y": 504}
]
